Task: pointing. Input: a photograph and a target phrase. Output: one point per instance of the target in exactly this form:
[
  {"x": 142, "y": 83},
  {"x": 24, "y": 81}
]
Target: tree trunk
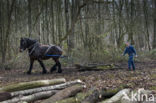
[
  {"x": 120, "y": 31},
  {"x": 48, "y": 88},
  {"x": 78, "y": 98},
  {"x": 29, "y": 18},
  {"x": 5, "y": 96},
  {"x": 31, "y": 98},
  {"x": 147, "y": 36},
  {"x": 97, "y": 67},
  {"x": 32, "y": 84},
  {"x": 116, "y": 98},
  {"x": 7, "y": 34},
  {"x": 154, "y": 22},
  {"x": 52, "y": 22},
  {"x": 102, "y": 94},
  {"x": 71, "y": 38},
  {"x": 131, "y": 23},
  {"x": 65, "y": 93}
]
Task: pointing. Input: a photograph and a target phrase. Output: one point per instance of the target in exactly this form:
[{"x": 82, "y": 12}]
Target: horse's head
[
  {"x": 26, "y": 43},
  {"x": 23, "y": 44}
]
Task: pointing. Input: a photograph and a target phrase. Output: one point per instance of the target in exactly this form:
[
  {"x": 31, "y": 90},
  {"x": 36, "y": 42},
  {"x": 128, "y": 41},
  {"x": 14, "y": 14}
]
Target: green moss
[
  {"x": 153, "y": 76},
  {"x": 77, "y": 99},
  {"x": 153, "y": 88},
  {"x": 68, "y": 100},
  {"x": 82, "y": 96},
  {"x": 29, "y": 85}
]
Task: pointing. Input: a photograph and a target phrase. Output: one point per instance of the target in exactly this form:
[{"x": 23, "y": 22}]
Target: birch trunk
[
  {"x": 32, "y": 84},
  {"x": 116, "y": 98},
  {"x": 31, "y": 98},
  {"x": 48, "y": 88},
  {"x": 65, "y": 93}
]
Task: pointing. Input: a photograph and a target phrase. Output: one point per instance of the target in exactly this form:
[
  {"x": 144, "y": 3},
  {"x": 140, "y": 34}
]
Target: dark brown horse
[{"x": 39, "y": 52}]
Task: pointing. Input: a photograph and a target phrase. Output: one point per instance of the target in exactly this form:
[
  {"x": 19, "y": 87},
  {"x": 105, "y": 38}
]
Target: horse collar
[{"x": 33, "y": 46}]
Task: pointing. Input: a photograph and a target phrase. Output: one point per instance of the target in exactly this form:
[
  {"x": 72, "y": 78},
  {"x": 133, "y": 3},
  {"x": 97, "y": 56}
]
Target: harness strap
[
  {"x": 48, "y": 49},
  {"x": 56, "y": 56},
  {"x": 34, "y": 47}
]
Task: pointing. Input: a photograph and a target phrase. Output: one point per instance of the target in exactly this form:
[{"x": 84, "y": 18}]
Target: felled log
[
  {"x": 65, "y": 93},
  {"x": 48, "y": 88},
  {"x": 32, "y": 84},
  {"x": 98, "y": 95},
  {"x": 5, "y": 96},
  {"x": 117, "y": 97},
  {"x": 77, "y": 99},
  {"x": 31, "y": 98},
  {"x": 68, "y": 100},
  {"x": 97, "y": 67}
]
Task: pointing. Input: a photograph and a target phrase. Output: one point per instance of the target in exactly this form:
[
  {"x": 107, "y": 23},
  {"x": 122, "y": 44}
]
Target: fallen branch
[
  {"x": 77, "y": 99},
  {"x": 32, "y": 98},
  {"x": 65, "y": 93},
  {"x": 32, "y": 84},
  {"x": 48, "y": 88},
  {"x": 96, "y": 67},
  {"x": 5, "y": 96}
]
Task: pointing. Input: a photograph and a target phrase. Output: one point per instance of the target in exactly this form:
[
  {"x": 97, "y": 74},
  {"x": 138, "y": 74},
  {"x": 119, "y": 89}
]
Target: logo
[{"x": 139, "y": 96}]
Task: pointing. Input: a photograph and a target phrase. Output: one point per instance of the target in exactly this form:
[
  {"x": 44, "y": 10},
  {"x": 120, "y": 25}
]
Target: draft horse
[{"x": 39, "y": 52}]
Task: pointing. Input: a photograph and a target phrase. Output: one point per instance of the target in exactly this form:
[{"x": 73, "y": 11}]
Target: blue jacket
[{"x": 130, "y": 51}]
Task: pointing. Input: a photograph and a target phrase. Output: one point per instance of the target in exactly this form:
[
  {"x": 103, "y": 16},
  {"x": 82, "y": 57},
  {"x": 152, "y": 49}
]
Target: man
[{"x": 131, "y": 52}]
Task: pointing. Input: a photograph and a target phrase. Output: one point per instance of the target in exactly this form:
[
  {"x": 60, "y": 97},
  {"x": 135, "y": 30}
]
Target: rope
[{"x": 56, "y": 56}]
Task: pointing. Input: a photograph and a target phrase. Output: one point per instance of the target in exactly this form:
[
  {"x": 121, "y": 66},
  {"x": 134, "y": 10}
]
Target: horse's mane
[{"x": 30, "y": 39}]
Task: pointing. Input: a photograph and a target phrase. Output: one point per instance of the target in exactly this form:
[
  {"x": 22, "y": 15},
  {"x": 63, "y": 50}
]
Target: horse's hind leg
[
  {"x": 54, "y": 67},
  {"x": 31, "y": 66},
  {"x": 59, "y": 67},
  {"x": 43, "y": 67},
  {"x": 57, "y": 64}
]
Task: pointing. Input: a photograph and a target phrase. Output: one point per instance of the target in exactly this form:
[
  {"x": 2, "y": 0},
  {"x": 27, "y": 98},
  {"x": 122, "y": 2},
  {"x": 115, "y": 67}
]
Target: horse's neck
[
  {"x": 32, "y": 45},
  {"x": 33, "y": 48}
]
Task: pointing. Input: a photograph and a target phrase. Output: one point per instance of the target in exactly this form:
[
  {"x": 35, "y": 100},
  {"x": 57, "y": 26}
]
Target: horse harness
[
  {"x": 50, "y": 46},
  {"x": 34, "y": 47}
]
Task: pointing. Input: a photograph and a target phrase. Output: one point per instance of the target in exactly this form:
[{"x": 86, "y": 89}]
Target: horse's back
[{"x": 51, "y": 50}]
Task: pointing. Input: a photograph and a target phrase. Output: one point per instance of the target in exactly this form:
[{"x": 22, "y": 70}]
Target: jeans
[{"x": 131, "y": 62}]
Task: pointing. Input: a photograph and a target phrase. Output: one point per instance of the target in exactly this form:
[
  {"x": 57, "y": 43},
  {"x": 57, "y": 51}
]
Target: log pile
[
  {"x": 55, "y": 89},
  {"x": 60, "y": 91}
]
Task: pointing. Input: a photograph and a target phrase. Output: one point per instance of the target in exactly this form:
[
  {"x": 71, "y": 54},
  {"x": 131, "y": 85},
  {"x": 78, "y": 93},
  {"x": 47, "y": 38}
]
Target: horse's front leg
[
  {"x": 44, "y": 71},
  {"x": 31, "y": 66},
  {"x": 53, "y": 68},
  {"x": 59, "y": 67}
]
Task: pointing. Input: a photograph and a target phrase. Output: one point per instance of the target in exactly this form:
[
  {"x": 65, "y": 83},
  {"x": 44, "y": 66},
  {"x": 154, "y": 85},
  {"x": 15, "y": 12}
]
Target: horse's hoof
[
  {"x": 44, "y": 72},
  {"x": 59, "y": 71},
  {"x": 52, "y": 70},
  {"x": 28, "y": 72}
]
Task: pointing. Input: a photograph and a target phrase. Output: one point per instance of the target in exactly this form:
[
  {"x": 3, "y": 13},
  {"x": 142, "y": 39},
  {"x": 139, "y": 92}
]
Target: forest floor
[{"x": 143, "y": 77}]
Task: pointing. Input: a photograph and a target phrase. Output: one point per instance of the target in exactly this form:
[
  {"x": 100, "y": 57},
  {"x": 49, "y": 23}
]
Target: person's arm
[
  {"x": 134, "y": 51},
  {"x": 125, "y": 51}
]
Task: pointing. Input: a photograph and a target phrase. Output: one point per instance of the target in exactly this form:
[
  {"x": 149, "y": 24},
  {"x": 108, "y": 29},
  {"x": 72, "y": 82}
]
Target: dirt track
[{"x": 143, "y": 77}]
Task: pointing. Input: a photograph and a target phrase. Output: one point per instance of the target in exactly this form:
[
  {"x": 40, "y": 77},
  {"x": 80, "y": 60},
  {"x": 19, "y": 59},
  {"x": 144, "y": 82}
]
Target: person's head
[{"x": 127, "y": 44}]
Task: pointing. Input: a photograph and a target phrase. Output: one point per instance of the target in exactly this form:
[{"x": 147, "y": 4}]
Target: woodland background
[{"x": 87, "y": 30}]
